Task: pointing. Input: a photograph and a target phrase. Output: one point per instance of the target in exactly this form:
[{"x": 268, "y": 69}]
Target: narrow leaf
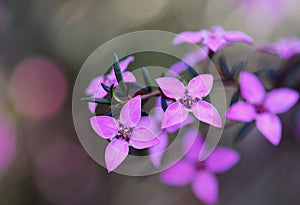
[
  {"x": 97, "y": 100},
  {"x": 235, "y": 97},
  {"x": 192, "y": 71},
  {"x": 146, "y": 78},
  {"x": 164, "y": 104},
  {"x": 118, "y": 72},
  {"x": 243, "y": 132},
  {"x": 224, "y": 67},
  {"x": 237, "y": 68}
]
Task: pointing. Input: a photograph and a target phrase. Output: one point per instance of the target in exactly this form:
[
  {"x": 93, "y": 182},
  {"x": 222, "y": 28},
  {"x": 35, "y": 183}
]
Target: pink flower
[
  {"x": 123, "y": 133},
  {"x": 189, "y": 99},
  {"x": 283, "y": 47},
  {"x": 154, "y": 123},
  {"x": 262, "y": 107},
  {"x": 95, "y": 89},
  {"x": 190, "y": 59},
  {"x": 214, "y": 38},
  {"x": 200, "y": 173}
]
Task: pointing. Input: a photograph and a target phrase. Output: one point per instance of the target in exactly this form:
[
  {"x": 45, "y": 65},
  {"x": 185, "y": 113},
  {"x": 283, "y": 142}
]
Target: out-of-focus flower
[
  {"x": 37, "y": 88},
  {"x": 65, "y": 175},
  {"x": 215, "y": 38},
  {"x": 190, "y": 59},
  {"x": 283, "y": 47},
  {"x": 154, "y": 123},
  {"x": 7, "y": 144},
  {"x": 189, "y": 99},
  {"x": 262, "y": 107},
  {"x": 123, "y": 133},
  {"x": 200, "y": 173},
  {"x": 95, "y": 89}
]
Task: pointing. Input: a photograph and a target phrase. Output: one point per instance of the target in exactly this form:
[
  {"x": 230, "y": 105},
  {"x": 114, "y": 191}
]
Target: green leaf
[
  {"x": 146, "y": 78},
  {"x": 243, "y": 132},
  {"x": 235, "y": 97},
  {"x": 192, "y": 71},
  {"x": 224, "y": 67},
  {"x": 237, "y": 68},
  {"x": 97, "y": 100},
  {"x": 164, "y": 104},
  {"x": 118, "y": 73}
]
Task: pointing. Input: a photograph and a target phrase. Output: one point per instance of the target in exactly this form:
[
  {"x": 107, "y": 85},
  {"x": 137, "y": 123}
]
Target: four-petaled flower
[
  {"x": 283, "y": 47},
  {"x": 262, "y": 107},
  {"x": 200, "y": 173},
  {"x": 215, "y": 38},
  {"x": 154, "y": 123},
  {"x": 189, "y": 99},
  {"x": 95, "y": 89},
  {"x": 123, "y": 133}
]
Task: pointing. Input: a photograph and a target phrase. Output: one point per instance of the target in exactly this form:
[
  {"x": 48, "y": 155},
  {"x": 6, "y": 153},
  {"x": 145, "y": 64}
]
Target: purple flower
[
  {"x": 189, "y": 99},
  {"x": 154, "y": 123},
  {"x": 190, "y": 59},
  {"x": 200, "y": 173},
  {"x": 283, "y": 47},
  {"x": 262, "y": 107},
  {"x": 123, "y": 133},
  {"x": 214, "y": 38},
  {"x": 95, "y": 89}
]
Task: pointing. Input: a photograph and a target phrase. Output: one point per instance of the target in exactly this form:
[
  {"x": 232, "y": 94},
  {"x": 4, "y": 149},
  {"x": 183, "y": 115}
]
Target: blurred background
[{"x": 44, "y": 43}]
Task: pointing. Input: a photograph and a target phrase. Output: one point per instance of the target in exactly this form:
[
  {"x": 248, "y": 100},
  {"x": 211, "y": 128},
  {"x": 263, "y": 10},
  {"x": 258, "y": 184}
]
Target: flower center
[
  {"x": 260, "y": 108},
  {"x": 188, "y": 101},
  {"x": 124, "y": 133},
  {"x": 200, "y": 165}
]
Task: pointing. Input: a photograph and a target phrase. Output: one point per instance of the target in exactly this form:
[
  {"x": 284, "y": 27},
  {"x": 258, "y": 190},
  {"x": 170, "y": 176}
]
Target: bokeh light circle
[{"x": 99, "y": 63}]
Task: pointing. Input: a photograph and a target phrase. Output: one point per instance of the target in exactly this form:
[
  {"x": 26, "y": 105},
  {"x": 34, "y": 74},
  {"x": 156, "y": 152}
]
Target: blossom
[
  {"x": 154, "y": 123},
  {"x": 283, "y": 47},
  {"x": 123, "y": 133},
  {"x": 188, "y": 99},
  {"x": 95, "y": 89},
  {"x": 190, "y": 59},
  {"x": 215, "y": 38},
  {"x": 200, "y": 173},
  {"x": 262, "y": 107}
]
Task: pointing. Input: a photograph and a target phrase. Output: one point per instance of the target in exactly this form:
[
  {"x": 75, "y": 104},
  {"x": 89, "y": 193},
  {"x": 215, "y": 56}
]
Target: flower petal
[
  {"x": 188, "y": 37},
  {"x": 156, "y": 152},
  {"x": 192, "y": 144},
  {"x": 270, "y": 126},
  {"x": 176, "y": 127},
  {"x": 176, "y": 113},
  {"x": 281, "y": 100},
  {"x": 115, "y": 153},
  {"x": 95, "y": 85},
  {"x": 177, "y": 68},
  {"x": 207, "y": 113},
  {"x": 142, "y": 134},
  {"x": 144, "y": 144},
  {"x": 215, "y": 44},
  {"x": 205, "y": 187},
  {"x": 124, "y": 63},
  {"x": 128, "y": 77},
  {"x": 222, "y": 159},
  {"x": 180, "y": 174},
  {"x": 105, "y": 126},
  {"x": 131, "y": 112},
  {"x": 171, "y": 87},
  {"x": 237, "y": 36},
  {"x": 100, "y": 93},
  {"x": 241, "y": 111},
  {"x": 251, "y": 87},
  {"x": 201, "y": 85}
]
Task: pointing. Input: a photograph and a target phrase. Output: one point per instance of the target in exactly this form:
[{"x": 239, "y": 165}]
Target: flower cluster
[{"x": 137, "y": 129}]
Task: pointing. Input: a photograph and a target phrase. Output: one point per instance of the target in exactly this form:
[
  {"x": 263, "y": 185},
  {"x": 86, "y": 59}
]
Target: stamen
[
  {"x": 124, "y": 132},
  {"x": 188, "y": 101}
]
